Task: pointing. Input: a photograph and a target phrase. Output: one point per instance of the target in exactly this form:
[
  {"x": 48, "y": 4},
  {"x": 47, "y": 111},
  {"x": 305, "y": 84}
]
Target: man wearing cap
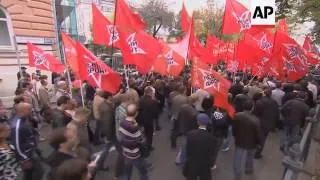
[
  {"x": 199, "y": 151},
  {"x": 22, "y": 72}
]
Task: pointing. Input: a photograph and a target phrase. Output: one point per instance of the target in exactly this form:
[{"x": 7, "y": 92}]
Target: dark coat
[
  {"x": 54, "y": 160},
  {"x": 187, "y": 118},
  {"x": 246, "y": 130},
  {"x": 267, "y": 111},
  {"x": 236, "y": 89},
  {"x": 107, "y": 120},
  {"x": 23, "y": 137},
  {"x": 288, "y": 96},
  {"x": 59, "y": 119},
  {"x": 239, "y": 100},
  {"x": 199, "y": 150},
  {"x": 294, "y": 112},
  {"x": 149, "y": 111}
]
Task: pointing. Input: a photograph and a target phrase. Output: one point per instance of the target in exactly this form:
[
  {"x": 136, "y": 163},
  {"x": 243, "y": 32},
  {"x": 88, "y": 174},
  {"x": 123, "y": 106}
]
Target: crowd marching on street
[
  {"x": 128, "y": 120},
  {"x": 219, "y": 97}
]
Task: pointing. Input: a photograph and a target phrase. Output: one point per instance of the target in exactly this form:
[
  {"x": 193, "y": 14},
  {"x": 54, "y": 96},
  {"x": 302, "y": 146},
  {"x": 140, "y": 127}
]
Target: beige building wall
[{"x": 27, "y": 20}]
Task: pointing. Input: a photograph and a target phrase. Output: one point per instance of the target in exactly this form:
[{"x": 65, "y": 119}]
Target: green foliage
[
  {"x": 209, "y": 22},
  {"x": 298, "y": 12}
]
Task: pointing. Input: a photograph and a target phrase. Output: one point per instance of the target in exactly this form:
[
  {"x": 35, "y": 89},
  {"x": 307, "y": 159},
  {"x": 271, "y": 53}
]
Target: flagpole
[
  {"x": 125, "y": 67},
  {"x": 82, "y": 94},
  {"x": 234, "y": 59},
  {"x": 67, "y": 69}
]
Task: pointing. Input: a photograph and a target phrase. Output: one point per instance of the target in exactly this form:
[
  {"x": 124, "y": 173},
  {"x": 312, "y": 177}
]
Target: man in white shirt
[
  {"x": 314, "y": 89},
  {"x": 277, "y": 94}
]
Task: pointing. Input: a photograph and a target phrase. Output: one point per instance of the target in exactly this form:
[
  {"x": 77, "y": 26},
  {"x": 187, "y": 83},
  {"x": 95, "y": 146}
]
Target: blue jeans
[
  {"x": 238, "y": 161},
  {"x": 181, "y": 157},
  {"x": 140, "y": 164},
  {"x": 288, "y": 136}
]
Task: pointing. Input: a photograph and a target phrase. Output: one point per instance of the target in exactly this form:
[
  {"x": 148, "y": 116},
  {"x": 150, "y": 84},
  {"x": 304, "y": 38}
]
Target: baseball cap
[{"x": 203, "y": 119}]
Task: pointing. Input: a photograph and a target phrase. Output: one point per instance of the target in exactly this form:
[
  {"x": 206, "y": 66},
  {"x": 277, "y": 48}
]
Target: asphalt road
[{"x": 163, "y": 157}]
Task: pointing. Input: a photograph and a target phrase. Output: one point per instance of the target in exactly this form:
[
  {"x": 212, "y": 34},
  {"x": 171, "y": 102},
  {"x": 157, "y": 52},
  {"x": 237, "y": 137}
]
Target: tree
[
  {"x": 209, "y": 21},
  {"x": 156, "y": 12},
  {"x": 299, "y": 12}
]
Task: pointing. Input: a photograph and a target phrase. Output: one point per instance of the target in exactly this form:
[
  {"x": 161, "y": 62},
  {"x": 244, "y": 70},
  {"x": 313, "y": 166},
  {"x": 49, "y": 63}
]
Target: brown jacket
[
  {"x": 44, "y": 99},
  {"x": 107, "y": 119},
  {"x": 177, "y": 103},
  {"x": 97, "y": 100}
]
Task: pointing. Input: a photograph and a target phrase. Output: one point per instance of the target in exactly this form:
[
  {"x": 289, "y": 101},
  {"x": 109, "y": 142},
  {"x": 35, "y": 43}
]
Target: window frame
[{"x": 10, "y": 30}]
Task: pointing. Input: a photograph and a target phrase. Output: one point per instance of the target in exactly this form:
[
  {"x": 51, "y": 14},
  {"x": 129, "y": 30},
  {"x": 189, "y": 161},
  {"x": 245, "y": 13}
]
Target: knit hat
[{"x": 203, "y": 119}]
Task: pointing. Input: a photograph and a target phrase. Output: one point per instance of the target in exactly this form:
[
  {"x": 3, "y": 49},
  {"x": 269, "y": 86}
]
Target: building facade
[
  {"x": 84, "y": 16},
  {"x": 23, "y": 21}
]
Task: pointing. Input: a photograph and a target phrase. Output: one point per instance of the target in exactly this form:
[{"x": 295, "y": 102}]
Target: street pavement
[{"x": 163, "y": 158}]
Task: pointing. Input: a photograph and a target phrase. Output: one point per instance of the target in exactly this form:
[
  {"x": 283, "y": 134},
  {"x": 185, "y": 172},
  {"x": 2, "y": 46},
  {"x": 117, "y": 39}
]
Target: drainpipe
[{"x": 57, "y": 28}]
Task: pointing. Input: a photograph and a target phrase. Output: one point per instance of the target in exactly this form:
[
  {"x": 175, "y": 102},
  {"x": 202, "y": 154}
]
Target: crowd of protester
[{"x": 128, "y": 120}]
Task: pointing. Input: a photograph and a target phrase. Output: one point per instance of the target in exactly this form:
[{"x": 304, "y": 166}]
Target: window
[{"x": 5, "y": 30}]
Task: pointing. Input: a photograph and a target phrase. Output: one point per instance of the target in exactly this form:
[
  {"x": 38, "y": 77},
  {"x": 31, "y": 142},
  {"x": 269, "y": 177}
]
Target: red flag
[
  {"x": 256, "y": 50},
  {"x": 42, "y": 60},
  {"x": 185, "y": 19},
  {"x": 260, "y": 37},
  {"x": 221, "y": 101},
  {"x": 197, "y": 50},
  {"x": 261, "y": 66},
  {"x": 126, "y": 19},
  {"x": 236, "y": 19},
  {"x": 213, "y": 42},
  {"x": 104, "y": 32},
  {"x": 204, "y": 78},
  {"x": 182, "y": 46},
  {"x": 96, "y": 72},
  {"x": 310, "y": 47},
  {"x": 291, "y": 55},
  {"x": 283, "y": 26},
  {"x": 142, "y": 52},
  {"x": 169, "y": 62},
  {"x": 213, "y": 45},
  {"x": 70, "y": 52}
]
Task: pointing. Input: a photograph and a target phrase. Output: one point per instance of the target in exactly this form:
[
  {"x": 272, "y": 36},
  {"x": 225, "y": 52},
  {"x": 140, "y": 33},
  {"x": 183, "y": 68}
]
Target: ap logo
[{"x": 263, "y": 13}]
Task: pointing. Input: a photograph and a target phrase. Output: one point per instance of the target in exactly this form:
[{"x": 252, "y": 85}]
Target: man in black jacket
[
  {"x": 149, "y": 111},
  {"x": 199, "y": 151},
  {"x": 24, "y": 140},
  {"x": 294, "y": 113},
  {"x": 239, "y": 99},
  {"x": 246, "y": 132},
  {"x": 59, "y": 117},
  {"x": 267, "y": 111}
]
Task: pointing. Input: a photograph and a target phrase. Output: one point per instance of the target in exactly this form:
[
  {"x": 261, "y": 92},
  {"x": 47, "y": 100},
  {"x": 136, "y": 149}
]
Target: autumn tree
[{"x": 209, "y": 21}]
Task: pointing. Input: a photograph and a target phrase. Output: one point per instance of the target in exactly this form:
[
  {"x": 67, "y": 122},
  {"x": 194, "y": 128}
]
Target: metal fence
[{"x": 294, "y": 161}]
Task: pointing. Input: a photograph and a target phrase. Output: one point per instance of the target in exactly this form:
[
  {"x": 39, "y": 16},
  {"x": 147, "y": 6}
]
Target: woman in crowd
[{"x": 9, "y": 166}]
